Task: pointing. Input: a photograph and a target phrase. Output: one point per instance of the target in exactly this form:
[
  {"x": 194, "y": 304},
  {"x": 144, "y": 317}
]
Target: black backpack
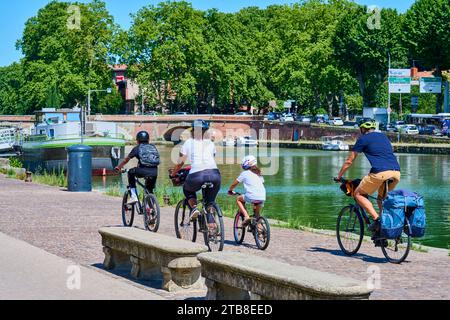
[{"x": 149, "y": 155}]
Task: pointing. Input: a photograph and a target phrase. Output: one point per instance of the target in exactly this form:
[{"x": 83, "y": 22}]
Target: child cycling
[
  {"x": 148, "y": 162},
  {"x": 255, "y": 192}
]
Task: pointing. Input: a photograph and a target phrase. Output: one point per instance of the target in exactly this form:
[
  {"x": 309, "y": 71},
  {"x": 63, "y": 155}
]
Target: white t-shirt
[
  {"x": 254, "y": 186},
  {"x": 201, "y": 154}
]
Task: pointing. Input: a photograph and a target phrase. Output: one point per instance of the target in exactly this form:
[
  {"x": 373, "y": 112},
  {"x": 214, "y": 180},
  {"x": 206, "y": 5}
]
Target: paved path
[
  {"x": 30, "y": 273},
  {"x": 66, "y": 225}
]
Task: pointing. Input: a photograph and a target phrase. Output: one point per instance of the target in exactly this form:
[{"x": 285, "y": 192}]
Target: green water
[{"x": 302, "y": 189}]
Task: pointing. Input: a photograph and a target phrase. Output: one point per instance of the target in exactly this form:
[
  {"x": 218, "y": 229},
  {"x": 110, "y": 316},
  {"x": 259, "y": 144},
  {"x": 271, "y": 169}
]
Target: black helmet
[
  {"x": 200, "y": 124},
  {"x": 143, "y": 137}
]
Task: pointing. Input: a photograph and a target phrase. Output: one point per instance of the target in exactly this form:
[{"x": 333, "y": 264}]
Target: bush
[{"x": 15, "y": 163}]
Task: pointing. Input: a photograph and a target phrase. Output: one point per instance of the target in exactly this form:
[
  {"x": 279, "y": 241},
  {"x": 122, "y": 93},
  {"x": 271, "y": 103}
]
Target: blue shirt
[{"x": 378, "y": 150}]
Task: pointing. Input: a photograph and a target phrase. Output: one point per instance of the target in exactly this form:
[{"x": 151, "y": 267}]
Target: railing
[{"x": 41, "y": 138}]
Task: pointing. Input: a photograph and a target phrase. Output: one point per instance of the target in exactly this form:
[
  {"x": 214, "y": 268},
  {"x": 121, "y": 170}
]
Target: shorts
[
  {"x": 377, "y": 181},
  {"x": 254, "y": 202}
]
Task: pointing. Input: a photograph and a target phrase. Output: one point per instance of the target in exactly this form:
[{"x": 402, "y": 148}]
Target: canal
[{"x": 300, "y": 188}]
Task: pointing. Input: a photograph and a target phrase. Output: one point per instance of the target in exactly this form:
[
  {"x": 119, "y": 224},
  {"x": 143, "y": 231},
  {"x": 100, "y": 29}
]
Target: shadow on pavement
[
  {"x": 359, "y": 256},
  {"x": 245, "y": 245}
]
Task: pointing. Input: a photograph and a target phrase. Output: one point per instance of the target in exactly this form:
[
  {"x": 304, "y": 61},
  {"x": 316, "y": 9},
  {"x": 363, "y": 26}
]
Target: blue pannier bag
[{"x": 398, "y": 204}]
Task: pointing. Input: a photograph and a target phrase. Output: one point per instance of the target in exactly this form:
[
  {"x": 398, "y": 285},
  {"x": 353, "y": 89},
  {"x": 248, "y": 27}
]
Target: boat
[
  {"x": 246, "y": 141},
  {"x": 45, "y": 148},
  {"x": 335, "y": 143},
  {"x": 229, "y": 142}
]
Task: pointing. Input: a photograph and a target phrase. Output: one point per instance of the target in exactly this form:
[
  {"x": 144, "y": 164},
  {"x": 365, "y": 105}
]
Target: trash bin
[{"x": 79, "y": 168}]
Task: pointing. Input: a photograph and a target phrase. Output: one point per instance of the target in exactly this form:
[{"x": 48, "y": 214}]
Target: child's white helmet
[{"x": 249, "y": 162}]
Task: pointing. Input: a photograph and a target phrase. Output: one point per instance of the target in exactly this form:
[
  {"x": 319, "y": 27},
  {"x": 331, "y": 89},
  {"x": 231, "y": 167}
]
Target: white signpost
[
  {"x": 430, "y": 85},
  {"x": 399, "y": 81}
]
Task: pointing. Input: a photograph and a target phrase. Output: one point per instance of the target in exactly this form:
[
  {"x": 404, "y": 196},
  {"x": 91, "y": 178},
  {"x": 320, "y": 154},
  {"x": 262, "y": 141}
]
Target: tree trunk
[
  {"x": 362, "y": 89},
  {"x": 330, "y": 99}
]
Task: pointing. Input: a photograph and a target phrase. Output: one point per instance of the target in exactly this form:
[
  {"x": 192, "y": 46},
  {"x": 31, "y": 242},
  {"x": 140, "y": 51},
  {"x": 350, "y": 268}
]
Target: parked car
[
  {"x": 410, "y": 129},
  {"x": 429, "y": 130},
  {"x": 391, "y": 128},
  {"x": 288, "y": 117},
  {"x": 306, "y": 119},
  {"x": 152, "y": 113},
  {"x": 320, "y": 119},
  {"x": 181, "y": 113},
  {"x": 242, "y": 114},
  {"x": 336, "y": 122},
  {"x": 271, "y": 116},
  {"x": 399, "y": 124}
]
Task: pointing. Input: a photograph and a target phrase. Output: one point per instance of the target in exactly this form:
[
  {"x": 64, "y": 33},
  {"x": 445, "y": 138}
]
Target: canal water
[{"x": 300, "y": 188}]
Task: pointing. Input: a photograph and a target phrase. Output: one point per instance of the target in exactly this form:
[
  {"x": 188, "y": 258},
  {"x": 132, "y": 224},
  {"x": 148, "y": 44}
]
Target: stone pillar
[
  {"x": 115, "y": 259},
  {"x": 220, "y": 291}
]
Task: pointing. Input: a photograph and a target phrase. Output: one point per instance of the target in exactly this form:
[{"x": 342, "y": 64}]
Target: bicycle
[
  {"x": 350, "y": 232},
  {"x": 259, "y": 227},
  {"x": 187, "y": 230},
  {"x": 148, "y": 207}
]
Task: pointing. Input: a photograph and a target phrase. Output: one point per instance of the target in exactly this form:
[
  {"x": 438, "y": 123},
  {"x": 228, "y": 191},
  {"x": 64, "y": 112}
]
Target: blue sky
[{"x": 16, "y": 12}]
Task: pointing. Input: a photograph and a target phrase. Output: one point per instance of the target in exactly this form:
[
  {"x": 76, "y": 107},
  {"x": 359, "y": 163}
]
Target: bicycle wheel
[
  {"x": 127, "y": 211},
  {"x": 184, "y": 228},
  {"x": 214, "y": 237},
  {"x": 397, "y": 250},
  {"x": 152, "y": 213},
  {"x": 239, "y": 230},
  {"x": 262, "y": 233},
  {"x": 349, "y": 230}
]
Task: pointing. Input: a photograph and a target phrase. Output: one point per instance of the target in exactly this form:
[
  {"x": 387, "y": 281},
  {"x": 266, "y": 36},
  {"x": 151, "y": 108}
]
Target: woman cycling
[{"x": 200, "y": 151}]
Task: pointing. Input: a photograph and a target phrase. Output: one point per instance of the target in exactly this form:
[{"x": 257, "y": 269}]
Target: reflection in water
[{"x": 302, "y": 189}]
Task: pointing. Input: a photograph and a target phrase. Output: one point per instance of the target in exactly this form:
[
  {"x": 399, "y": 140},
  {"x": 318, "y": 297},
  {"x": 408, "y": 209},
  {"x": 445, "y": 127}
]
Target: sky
[{"x": 16, "y": 12}]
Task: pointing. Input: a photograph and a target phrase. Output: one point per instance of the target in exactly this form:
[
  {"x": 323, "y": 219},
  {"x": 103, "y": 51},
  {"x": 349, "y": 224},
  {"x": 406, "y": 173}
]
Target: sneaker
[
  {"x": 374, "y": 226},
  {"x": 133, "y": 200},
  {"x": 194, "y": 214}
]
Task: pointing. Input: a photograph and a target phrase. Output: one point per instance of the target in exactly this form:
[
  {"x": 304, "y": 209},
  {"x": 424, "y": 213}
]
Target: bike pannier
[
  {"x": 398, "y": 204},
  {"x": 417, "y": 221},
  {"x": 149, "y": 155},
  {"x": 392, "y": 222}
]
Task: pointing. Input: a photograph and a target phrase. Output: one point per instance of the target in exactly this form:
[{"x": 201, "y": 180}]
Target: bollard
[
  {"x": 166, "y": 200},
  {"x": 28, "y": 177},
  {"x": 79, "y": 168}
]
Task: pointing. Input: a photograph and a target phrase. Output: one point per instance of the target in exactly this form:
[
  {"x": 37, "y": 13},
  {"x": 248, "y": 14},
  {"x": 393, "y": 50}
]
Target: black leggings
[
  {"x": 150, "y": 175},
  {"x": 194, "y": 183}
]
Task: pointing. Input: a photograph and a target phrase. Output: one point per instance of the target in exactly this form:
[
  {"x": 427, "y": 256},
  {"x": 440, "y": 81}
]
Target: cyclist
[
  {"x": 200, "y": 151},
  {"x": 378, "y": 150},
  {"x": 148, "y": 162},
  {"x": 255, "y": 192}
]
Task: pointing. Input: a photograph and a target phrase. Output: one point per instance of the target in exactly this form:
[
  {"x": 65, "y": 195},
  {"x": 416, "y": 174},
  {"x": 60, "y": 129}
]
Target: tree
[
  {"x": 11, "y": 80},
  {"x": 66, "y": 60},
  {"x": 427, "y": 36},
  {"x": 362, "y": 48}
]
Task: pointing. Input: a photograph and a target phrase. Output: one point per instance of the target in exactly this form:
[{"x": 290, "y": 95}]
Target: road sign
[
  {"x": 400, "y": 73},
  {"x": 430, "y": 85},
  {"x": 399, "y": 84}
]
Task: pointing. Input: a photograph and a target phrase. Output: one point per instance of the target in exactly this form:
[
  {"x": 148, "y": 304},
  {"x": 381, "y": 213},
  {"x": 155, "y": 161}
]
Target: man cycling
[
  {"x": 148, "y": 162},
  {"x": 378, "y": 150},
  {"x": 200, "y": 151}
]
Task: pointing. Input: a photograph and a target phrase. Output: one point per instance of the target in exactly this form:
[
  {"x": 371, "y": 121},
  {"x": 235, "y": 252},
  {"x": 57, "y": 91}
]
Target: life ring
[{"x": 115, "y": 153}]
